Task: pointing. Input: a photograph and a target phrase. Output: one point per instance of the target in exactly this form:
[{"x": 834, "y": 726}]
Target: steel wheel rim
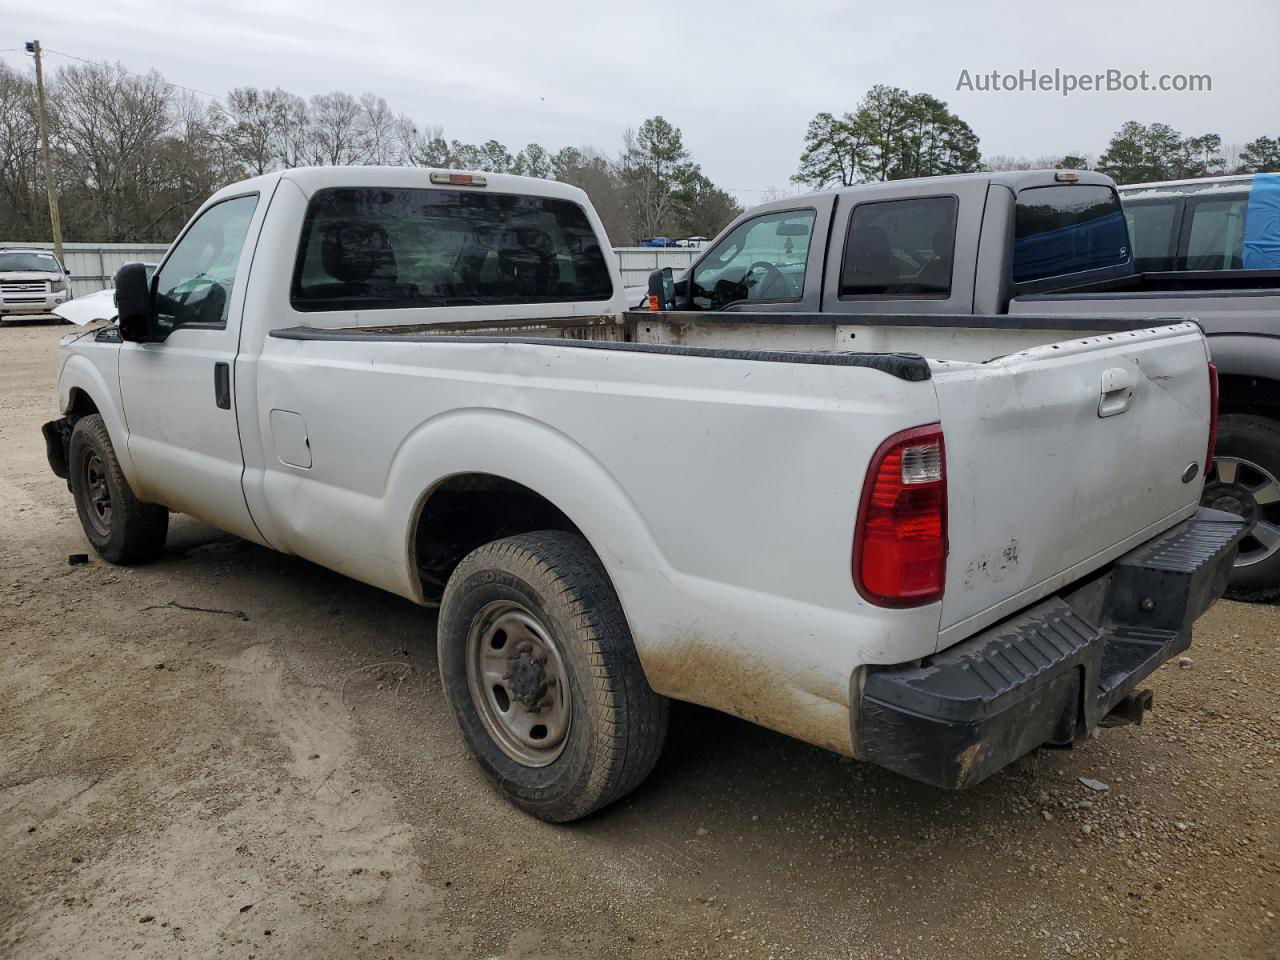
[
  {"x": 97, "y": 494},
  {"x": 518, "y": 683},
  {"x": 1242, "y": 487}
]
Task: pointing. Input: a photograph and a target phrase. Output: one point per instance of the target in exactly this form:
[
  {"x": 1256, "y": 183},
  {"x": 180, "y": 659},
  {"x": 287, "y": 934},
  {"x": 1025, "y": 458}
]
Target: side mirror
[
  {"x": 662, "y": 290},
  {"x": 133, "y": 302}
]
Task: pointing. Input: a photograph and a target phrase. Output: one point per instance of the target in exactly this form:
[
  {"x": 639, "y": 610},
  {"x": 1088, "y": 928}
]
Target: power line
[{"x": 140, "y": 76}]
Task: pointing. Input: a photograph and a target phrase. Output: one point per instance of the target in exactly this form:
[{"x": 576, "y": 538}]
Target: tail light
[
  {"x": 1213, "y": 418},
  {"x": 900, "y": 545}
]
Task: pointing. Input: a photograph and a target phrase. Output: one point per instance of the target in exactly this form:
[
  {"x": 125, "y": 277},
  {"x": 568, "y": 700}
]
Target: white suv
[{"x": 32, "y": 282}]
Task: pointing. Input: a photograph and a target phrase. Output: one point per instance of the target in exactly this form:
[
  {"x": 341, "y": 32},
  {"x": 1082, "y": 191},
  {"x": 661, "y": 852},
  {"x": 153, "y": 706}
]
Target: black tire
[
  {"x": 1251, "y": 445},
  {"x": 127, "y": 530},
  {"x": 617, "y": 724}
]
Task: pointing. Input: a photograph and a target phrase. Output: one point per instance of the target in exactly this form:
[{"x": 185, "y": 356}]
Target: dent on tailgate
[{"x": 1043, "y": 489}]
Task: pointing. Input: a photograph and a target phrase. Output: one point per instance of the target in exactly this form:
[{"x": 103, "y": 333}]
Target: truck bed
[{"x": 1046, "y": 486}]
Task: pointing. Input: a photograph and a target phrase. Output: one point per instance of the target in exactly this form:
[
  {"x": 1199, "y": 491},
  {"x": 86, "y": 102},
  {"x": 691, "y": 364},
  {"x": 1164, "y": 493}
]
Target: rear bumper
[{"x": 1052, "y": 673}]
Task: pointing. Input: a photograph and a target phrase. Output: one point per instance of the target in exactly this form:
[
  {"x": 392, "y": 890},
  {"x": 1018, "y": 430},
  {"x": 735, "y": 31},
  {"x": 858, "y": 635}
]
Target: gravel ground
[{"x": 281, "y": 779}]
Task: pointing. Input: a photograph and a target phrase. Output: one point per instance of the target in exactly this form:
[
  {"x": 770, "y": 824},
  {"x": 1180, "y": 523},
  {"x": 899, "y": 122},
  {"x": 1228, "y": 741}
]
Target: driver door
[{"x": 178, "y": 395}]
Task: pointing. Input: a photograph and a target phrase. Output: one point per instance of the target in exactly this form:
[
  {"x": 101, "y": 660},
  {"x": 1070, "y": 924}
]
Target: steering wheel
[
  {"x": 209, "y": 309},
  {"x": 772, "y": 275}
]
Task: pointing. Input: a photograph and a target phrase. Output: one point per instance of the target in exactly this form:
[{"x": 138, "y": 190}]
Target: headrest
[
  {"x": 524, "y": 247},
  {"x": 356, "y": 251}
]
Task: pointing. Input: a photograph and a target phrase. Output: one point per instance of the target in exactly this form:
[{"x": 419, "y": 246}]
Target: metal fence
[
  {"x": 93, "y": 266},
  {"x": 636, "y": 263}
]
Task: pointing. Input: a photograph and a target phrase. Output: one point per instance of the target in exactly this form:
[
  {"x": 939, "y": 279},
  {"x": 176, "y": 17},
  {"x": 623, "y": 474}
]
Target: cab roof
[{"x": 311, "y": 179}]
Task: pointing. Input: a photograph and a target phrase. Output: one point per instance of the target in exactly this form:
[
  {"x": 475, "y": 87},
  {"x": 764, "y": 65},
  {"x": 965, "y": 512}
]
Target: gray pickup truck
[{"x": 1019, "y": 250}]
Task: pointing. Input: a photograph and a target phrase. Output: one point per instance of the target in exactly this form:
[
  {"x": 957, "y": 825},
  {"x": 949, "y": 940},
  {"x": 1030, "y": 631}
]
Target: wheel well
[
  {"x": 1243, "y": 394},
  {"x": 81, "y": 405},
  {"x": 469, "y": 510}
]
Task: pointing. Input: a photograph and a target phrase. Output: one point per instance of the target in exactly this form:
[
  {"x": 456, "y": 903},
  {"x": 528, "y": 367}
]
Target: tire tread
[
  {"x": 138, "y": 529},
  {"x": 630, "y": 718}
]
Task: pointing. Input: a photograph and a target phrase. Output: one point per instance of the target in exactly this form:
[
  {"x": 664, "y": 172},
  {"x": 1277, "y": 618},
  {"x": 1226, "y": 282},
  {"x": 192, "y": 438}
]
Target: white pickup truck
[{"x": 933, "y": 543}]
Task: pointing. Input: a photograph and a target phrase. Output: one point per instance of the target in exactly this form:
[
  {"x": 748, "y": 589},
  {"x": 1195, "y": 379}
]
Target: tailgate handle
[{"x": 1117, "y": 391}]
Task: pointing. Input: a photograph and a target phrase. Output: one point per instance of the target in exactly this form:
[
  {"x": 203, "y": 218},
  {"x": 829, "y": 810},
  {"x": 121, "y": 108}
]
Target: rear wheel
[
  {"x": 1245, "y": 480},
  {"x": 542, "y": 676},
  {"x": 121, "y": 527}
]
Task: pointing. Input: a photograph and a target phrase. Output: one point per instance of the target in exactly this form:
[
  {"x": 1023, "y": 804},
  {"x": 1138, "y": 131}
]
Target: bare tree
[
  {"x": 196, "y": 161},
  {"x": 21, "y": 178},
  {"x": 111, "y": 126},
  {"x": 420, "y": 146},
  {"x": 338, "y": 131},
  {"x": 256, "y": 118},
  {"x": 379, "y": 123},
  {"x": 293, "y": 135}
]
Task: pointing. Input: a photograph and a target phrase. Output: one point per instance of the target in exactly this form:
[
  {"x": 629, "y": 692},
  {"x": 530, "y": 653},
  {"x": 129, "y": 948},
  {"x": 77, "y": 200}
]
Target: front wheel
[
  {"x": 542, "y": 676},
  {"x": 1245, "y": 480},
  {"x": 121, "y": 527}
]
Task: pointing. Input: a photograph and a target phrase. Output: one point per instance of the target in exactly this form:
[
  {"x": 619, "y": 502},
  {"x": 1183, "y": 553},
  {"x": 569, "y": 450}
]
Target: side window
[
  {"x": 196, "y": 281},
  {"x": 900, "y": 248},
  {"x": 1216, "y": 238},
  {"x": 1152, "y": 226},
  {"x": 761, "y": 259},
  {"x": 1067, "y": 229}
]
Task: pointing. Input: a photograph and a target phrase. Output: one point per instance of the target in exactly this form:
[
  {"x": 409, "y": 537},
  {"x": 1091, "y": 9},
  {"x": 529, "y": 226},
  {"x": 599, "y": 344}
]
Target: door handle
[
  {"x": 222, "y": 385},
  {"x": 1117, "y": 391}
]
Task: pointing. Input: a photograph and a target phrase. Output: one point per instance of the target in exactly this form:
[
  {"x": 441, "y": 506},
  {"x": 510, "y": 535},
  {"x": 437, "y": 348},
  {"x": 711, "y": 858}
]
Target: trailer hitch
[{"x": 1129, "y": 710}]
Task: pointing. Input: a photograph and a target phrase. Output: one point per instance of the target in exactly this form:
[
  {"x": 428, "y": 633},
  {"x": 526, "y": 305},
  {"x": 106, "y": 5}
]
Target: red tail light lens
[
  {"x": 900, "y": 545},
  {"x": 1213, "y": 418}
]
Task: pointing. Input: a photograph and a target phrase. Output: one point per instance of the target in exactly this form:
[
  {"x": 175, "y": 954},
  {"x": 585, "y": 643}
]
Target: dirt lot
[{"x": 286, "y": 783}]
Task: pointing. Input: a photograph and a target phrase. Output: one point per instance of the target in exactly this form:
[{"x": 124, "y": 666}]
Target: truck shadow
[
  {"x": 735, "y": 821},
  {"x": 714, "y": 766}
]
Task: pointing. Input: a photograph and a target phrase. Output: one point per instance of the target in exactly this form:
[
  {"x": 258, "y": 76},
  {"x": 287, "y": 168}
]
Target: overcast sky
[{"x": 741, "y": 78}]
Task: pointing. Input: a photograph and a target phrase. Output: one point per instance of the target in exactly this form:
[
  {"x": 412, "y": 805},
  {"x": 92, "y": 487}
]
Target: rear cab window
[
  {"x": 384, "y": 248},
  {"x": 1066, "y": 229},
  {"x": 900, "y": 249}
]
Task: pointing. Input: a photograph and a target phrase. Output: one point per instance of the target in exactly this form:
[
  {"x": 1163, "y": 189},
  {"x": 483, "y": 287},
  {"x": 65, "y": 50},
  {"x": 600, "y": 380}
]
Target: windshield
[{"x": 28, "y": 263}]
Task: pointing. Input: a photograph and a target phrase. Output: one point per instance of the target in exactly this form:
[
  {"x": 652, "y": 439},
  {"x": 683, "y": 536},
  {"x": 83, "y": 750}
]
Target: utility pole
[{"x": 33, "y": 48}]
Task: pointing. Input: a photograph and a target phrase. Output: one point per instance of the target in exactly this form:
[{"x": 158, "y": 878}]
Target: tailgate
[{"x": 1061, "y": 458}]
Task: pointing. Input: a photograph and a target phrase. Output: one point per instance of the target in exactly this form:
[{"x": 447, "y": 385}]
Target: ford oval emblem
[{"x": 1191, "y": 472}]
